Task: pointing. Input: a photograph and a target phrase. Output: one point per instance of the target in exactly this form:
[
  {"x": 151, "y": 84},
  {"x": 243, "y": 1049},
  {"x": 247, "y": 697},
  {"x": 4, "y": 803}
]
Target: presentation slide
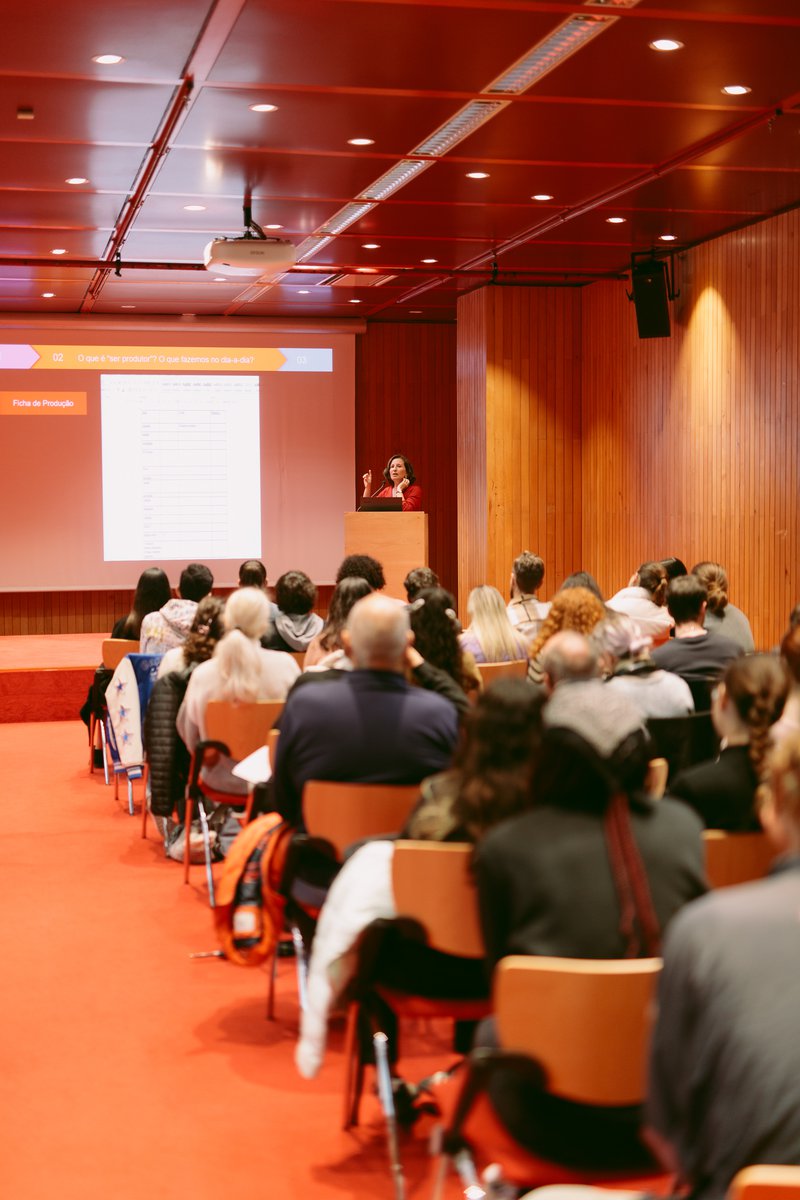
[{"x": 127, "y": 451}]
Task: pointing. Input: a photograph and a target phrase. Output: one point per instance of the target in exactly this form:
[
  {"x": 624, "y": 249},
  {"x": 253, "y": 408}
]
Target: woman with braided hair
[{"x": 745, "y": 704}]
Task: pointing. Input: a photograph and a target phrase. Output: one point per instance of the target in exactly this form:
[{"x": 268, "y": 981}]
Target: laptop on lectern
[{"x": 381, "y": 504}]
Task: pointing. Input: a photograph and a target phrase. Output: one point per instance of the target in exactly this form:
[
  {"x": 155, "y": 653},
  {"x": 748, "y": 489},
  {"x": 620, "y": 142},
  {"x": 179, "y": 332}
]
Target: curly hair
[
  {"x": 207, "y": 629},
  {"x": 576, "y": 608},
  {"x": 436, "y": 629},
  {"x": 758, "y": 685},
  {"x": 783, "y": 777}
]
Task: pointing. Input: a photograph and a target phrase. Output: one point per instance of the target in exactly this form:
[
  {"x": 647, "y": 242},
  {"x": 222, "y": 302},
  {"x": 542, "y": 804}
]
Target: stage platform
[{"x": 45, "y": 677}]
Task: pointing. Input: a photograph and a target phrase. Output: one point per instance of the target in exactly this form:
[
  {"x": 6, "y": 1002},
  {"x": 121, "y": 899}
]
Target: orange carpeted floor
[{"x": 128, "y": 1070}]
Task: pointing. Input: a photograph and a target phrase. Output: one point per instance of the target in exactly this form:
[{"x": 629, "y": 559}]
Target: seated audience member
[
  {"x": 167, "y": 756},
  {"x": 325, "y": 651},
  {"x": 152, "y": 593},
  {"x": 794, "y": 617},
  {"x": 789, "y": 723},
  {"x": 524, "y": 610},
  {"x": 488, "y": 782},
  {"x": 644, "y": 601},
  {"x": 593, "y": 869},
  {"x": 575, "y": 608},
  {"x": 568, "y": 657},
  {"x": 582, "y": 579},
  {"x": 240, "y": 669},
  {"x": 294, "y": 624},
  {"x": 629, "y": 670},
  {"x": 697, "y": 654},
  {"x": 436, "y": 628},
  {"x": 207, "y": 629},
  {"x": 368, "y": 725},
  {"x": 417, "y": 579},
  {"x": 721, "y": 615},
  {"x": 364, "y": 566},
  {"x": 745, "y": 704},
  {"x": 170, "y": 625},
  {"x": 724, "y": 1088},
  {"x": 253, "y": 573},
  {"x": 674, "y": 567},
  {"x": 490, "y": 637}
]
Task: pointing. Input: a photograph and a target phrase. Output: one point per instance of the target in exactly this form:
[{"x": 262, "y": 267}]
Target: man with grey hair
[
  {"x": 369, "y": 725},
  {"x": 525, "y": 611},
  {"x": 566, "y": 657}
]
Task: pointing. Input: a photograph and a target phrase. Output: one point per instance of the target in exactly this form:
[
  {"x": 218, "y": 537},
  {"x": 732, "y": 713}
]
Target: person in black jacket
[{"x": 744, "y": 705}]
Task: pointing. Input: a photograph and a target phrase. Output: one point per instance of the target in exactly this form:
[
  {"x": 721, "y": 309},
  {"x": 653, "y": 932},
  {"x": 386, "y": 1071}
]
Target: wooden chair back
[
  {"x": 343, "y": 813},
  {"x": 115, "y": 649},
  {"x": 766, "y": 1183},
  {"x": 684, "y": 741},
  {"x": 432, "y": 882},
  {"x": 243, "y": 727},
  {"x": 272, "y": 746},
  {"x": 587, "y": 1022},
  {"x": 489, "y": 672},
  {"x": 657, "y": 775},
  {"x": 733, "y": 858}
]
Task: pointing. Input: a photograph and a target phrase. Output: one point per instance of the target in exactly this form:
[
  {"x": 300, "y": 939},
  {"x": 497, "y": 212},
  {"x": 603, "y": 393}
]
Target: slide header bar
[{"x": 162, "y": 358}]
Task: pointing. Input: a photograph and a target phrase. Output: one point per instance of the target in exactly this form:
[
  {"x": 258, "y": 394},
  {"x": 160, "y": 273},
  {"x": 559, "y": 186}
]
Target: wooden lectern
[{"x": 398, "y": 540}]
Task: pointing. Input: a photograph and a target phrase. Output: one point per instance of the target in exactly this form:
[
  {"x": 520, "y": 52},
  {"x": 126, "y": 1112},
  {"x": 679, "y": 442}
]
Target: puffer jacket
[{"x": 167, "y": 756}]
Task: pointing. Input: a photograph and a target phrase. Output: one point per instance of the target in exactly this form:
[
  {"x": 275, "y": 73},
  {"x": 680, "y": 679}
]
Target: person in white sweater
[
  {"x": 239, "y": 670},
  {"x": 644, "y": 599}
]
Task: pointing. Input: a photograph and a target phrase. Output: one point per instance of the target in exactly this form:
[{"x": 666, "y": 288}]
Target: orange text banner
[{"x": 42, "y": 404}]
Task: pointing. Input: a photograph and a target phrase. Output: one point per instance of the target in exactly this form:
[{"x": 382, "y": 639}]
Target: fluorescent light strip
[
  {"x": 310, "y": 246},
  {"x": 465, "y": 122},
  {"x": 570, "y": 36},
  {"x": 344, "y": 218},
  {"x": 395, "y": 178}
]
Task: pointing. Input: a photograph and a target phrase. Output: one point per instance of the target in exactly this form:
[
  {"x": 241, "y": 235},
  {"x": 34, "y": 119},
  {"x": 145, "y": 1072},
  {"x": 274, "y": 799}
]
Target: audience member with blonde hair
[
  {"x": 239, "y": 670},
  {"x": 722, "y": 616},
  {"x": 490, "y": 636},
  {"x": 745, "y": 704},
  {"x": 575, "y": 608},
  {"x": 644, "y": 600}
]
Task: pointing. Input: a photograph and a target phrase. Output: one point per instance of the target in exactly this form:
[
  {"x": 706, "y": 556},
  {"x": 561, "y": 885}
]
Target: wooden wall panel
[
  {"x": 471, "y": 444},
  {"x": 527, "y": 437},
  {"x": 691, "y": 445},
  {"x": 406, "y": 403}
]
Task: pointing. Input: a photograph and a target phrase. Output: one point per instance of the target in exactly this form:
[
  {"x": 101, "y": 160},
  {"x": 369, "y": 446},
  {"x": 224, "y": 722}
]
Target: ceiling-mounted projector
[{"x": 249, "y": 256}]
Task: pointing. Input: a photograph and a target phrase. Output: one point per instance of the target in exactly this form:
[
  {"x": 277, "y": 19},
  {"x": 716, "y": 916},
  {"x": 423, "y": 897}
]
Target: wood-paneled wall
[
  {"x": 406, "y": 403},
  {"x": 405, "y": 400},
  {"x": 519, "y": 434},
  {"x": 691, "y": 445}
]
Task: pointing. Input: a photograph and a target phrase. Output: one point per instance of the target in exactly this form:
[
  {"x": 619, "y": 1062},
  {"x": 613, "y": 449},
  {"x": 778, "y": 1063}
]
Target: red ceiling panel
[
  {"x": 314, "y": 42},
  {"x": 228, "y": 172},
  {"x": 34, "y": 165},
  {"x": 77, "y": 111}
]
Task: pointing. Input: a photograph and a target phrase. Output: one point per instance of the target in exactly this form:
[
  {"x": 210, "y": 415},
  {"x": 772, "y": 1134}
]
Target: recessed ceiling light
[
  {"x": 303, "y": 292},
  {"x": 616, "y": 220},
  {"x": 367, "y": 270},
  {"x": 76, "y": 179},
  {"x": 58, "y": 250},
  {"x": 263, "y": 108},
  {"x": 371, "y": 246},
  {"x": 194, "y": 208},
  {"x": 430, "y": 260},
  {"x": 666, "y": 44},
  {"x": 108, "y": 60},
  {"x": 354, "y": 301},
  {"x": 48, "y": 295},
  {"x": 219, "y": 279},
  {"x": 361, "y": 141},
  {"x": 127, "y": 306},
  {"x": 667, "y": 237},
  {"x": 541, "y": 196},
  {"x": 736, "y": 89},
  {"x": 273, "y": 227},
  {"x": 477, "y": 174}
]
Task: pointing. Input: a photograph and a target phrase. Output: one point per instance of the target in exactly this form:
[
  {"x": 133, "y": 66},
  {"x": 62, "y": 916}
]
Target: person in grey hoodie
[
  {"x": 295, "y": 625},
  {"x": 171, "y": 624}
]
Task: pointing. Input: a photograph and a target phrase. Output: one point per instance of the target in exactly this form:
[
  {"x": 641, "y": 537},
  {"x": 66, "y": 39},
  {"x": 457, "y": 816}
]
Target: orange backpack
[{"x": 250, "y": 907}]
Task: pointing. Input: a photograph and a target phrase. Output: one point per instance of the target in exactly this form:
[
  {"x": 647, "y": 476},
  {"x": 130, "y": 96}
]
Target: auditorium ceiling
[{"x": 409, "y": 149}]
